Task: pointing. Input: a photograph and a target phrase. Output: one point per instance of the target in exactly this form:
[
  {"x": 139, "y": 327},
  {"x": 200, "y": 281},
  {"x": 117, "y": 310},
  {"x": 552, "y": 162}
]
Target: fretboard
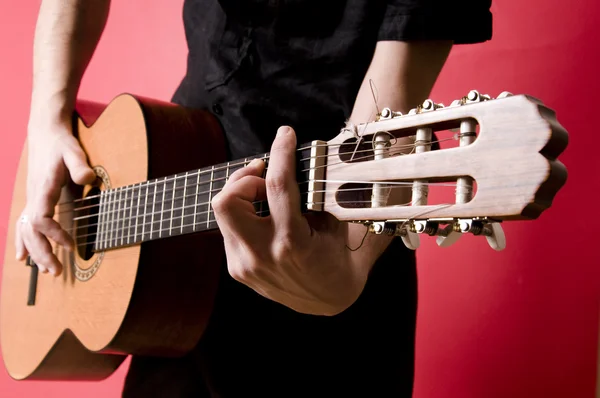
[{"x": 175, "y": 205}]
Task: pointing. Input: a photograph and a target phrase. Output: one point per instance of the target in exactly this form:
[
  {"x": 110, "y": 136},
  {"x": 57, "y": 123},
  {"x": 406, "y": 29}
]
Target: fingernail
[
  {"x": 18, "y": 256},
  {"x": 255, "y": 162},
  {"x": 284, "y": 130}
]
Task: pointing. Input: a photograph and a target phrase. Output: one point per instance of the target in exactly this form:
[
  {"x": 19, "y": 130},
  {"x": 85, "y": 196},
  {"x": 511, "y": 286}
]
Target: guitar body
[{"x": 154, "y": 298}]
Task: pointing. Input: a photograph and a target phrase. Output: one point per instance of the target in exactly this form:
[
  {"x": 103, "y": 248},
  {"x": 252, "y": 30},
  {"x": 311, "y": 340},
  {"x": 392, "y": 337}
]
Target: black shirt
[{"x": 260, "y": 64}]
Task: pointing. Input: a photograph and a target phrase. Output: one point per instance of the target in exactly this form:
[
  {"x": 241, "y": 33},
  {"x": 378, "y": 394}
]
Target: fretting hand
[{"x": 300, "y": 261}]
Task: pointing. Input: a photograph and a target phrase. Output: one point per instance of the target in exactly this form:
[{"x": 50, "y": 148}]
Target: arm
[
  {"x": 66, "y": 36},
  {"x": 403, "y": 74}
]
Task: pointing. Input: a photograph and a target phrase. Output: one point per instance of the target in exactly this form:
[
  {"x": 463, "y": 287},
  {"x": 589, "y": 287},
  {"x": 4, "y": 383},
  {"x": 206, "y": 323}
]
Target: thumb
[{"x": 76, "y": 161}]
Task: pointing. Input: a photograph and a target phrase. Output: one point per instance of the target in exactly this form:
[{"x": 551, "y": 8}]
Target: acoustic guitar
[{"x": 143, "y": 278}]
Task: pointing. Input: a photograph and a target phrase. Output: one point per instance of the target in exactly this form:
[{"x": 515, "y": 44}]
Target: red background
[{"x": 520, "y": 323}]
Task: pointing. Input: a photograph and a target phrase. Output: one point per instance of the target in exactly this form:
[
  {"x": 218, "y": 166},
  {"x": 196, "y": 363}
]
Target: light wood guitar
[{"x": 145, "y": 272}]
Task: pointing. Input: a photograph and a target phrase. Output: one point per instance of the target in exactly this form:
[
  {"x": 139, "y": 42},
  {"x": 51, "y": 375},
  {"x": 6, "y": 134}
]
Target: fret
[
  {"x": 143, "y": 221},
  {"x": 119, "y": 218},
  {"x": 183, "y": 203},
  {"x": 148, "y": 208},
  {"x": 199, "y": 173},
  {"x": 130, "y": 218},
  {"x": 187, "y": 224},
  {"x": 210, "y": 190},
  {"x": 173, "y": 192},
  {"x": 101, "y": 215},
  {"x": 178, "y": 205},
  {"x": 154, "y": 183},
  {"x": 143, "y": 211},
  {"x": 113, "y": 217},
  {"x": 124, "y": 231},
  {"x": 162, "y": 208},
  {"x": 168, "y": 206},
  {"x": 156, "y": 204},
  {"x": 137, "y": 211},
  {"x": 109, "y": 218}
]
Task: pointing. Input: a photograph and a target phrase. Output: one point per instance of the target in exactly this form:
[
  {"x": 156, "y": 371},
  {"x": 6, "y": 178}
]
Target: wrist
[
  {"x": 50, "y": 120},
  {"x": 51, "y": 110}
]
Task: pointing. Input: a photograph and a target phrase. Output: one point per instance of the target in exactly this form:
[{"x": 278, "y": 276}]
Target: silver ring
[{"x": 24, "y": 219}]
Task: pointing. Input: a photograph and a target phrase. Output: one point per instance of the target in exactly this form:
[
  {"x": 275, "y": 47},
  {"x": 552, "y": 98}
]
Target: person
[{"x": 298, "y": 313}]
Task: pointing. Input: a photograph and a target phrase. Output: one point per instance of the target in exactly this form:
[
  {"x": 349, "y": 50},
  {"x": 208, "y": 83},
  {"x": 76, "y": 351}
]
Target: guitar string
[
  {"x": 208, "y": 213},
  {"x": 117, "y": 212},
  {"x": 126, "y": 189},
  {"x": 111, "y": 213},
  {"x": 119, "y": 224},
  {"x": 259, "y": 213},
  {"x": 110, "y": 202}
]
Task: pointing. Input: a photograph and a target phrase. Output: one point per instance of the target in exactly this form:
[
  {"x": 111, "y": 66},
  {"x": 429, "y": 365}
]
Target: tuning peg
[
  {"x": 448, "y": 236},
  {"x": 387, "y": 113},
  {"x": 504, "y": 94},
  {"x": 410, "y": 239},
  {"x": 494, "y": 234},
  {"x": 429, "y": 105},
  {"x": 491, "y": 230}
]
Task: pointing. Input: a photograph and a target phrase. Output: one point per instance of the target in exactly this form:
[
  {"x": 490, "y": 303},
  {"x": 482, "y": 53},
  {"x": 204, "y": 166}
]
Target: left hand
[{"x": 300, "y": 261}]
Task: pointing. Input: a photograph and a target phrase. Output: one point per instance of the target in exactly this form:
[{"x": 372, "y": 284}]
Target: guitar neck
[{"x": 176, "y": 204}]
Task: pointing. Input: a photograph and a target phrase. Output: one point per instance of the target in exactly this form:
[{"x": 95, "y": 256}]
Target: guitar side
[{"x": 148, "y": 299}]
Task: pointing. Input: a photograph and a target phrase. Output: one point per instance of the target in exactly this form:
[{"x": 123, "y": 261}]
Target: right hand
[{"x": 55, "y": 156}]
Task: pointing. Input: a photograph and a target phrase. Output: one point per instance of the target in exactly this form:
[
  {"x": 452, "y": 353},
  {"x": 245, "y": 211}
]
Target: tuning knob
[
  {"x": 504, "y": 94},
  {"x": 495, "y": 236},
  {"x": 410, "y": 239},
  {"x": 448, "y": 236}
]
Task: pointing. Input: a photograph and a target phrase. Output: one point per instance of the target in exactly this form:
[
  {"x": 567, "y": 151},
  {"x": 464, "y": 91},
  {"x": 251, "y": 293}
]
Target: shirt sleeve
[{"x": 463, "y": 21}]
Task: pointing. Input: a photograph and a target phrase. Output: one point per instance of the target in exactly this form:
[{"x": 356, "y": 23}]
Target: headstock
[{"x": 504, "y": 167}]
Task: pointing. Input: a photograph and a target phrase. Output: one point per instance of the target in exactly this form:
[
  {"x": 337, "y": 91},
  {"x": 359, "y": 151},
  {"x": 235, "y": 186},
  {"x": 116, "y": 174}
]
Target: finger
[
  {"x": 282, "y": 187},
  {"x": 54, "y": 231},
  {"x": 76, "y": 161},
  {"x": 234, "y": 207},
  {"x": 255, "y": 167},
  {"x": 21, "y": 250},
  {"x": 40, "y": 251},
  {"x": 31, "y": 247}
]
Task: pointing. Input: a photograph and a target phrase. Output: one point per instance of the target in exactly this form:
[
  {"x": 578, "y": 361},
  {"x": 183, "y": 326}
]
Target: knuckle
[
  {"x": 276, "y": 183},
  {"x": 242, "y": 272},
  {"x": 219, "y": 202},
  {"x": 37, "y": 221},
  {"x": 284, "y": 246}
]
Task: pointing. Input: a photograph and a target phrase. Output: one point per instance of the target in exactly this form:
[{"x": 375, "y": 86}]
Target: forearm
[
  {"x": 402, "y": 75},
  {"x": 66, "y": 36}
]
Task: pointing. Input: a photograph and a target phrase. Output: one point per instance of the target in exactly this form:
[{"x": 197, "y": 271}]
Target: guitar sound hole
[{"x": 87, "y": 224}]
